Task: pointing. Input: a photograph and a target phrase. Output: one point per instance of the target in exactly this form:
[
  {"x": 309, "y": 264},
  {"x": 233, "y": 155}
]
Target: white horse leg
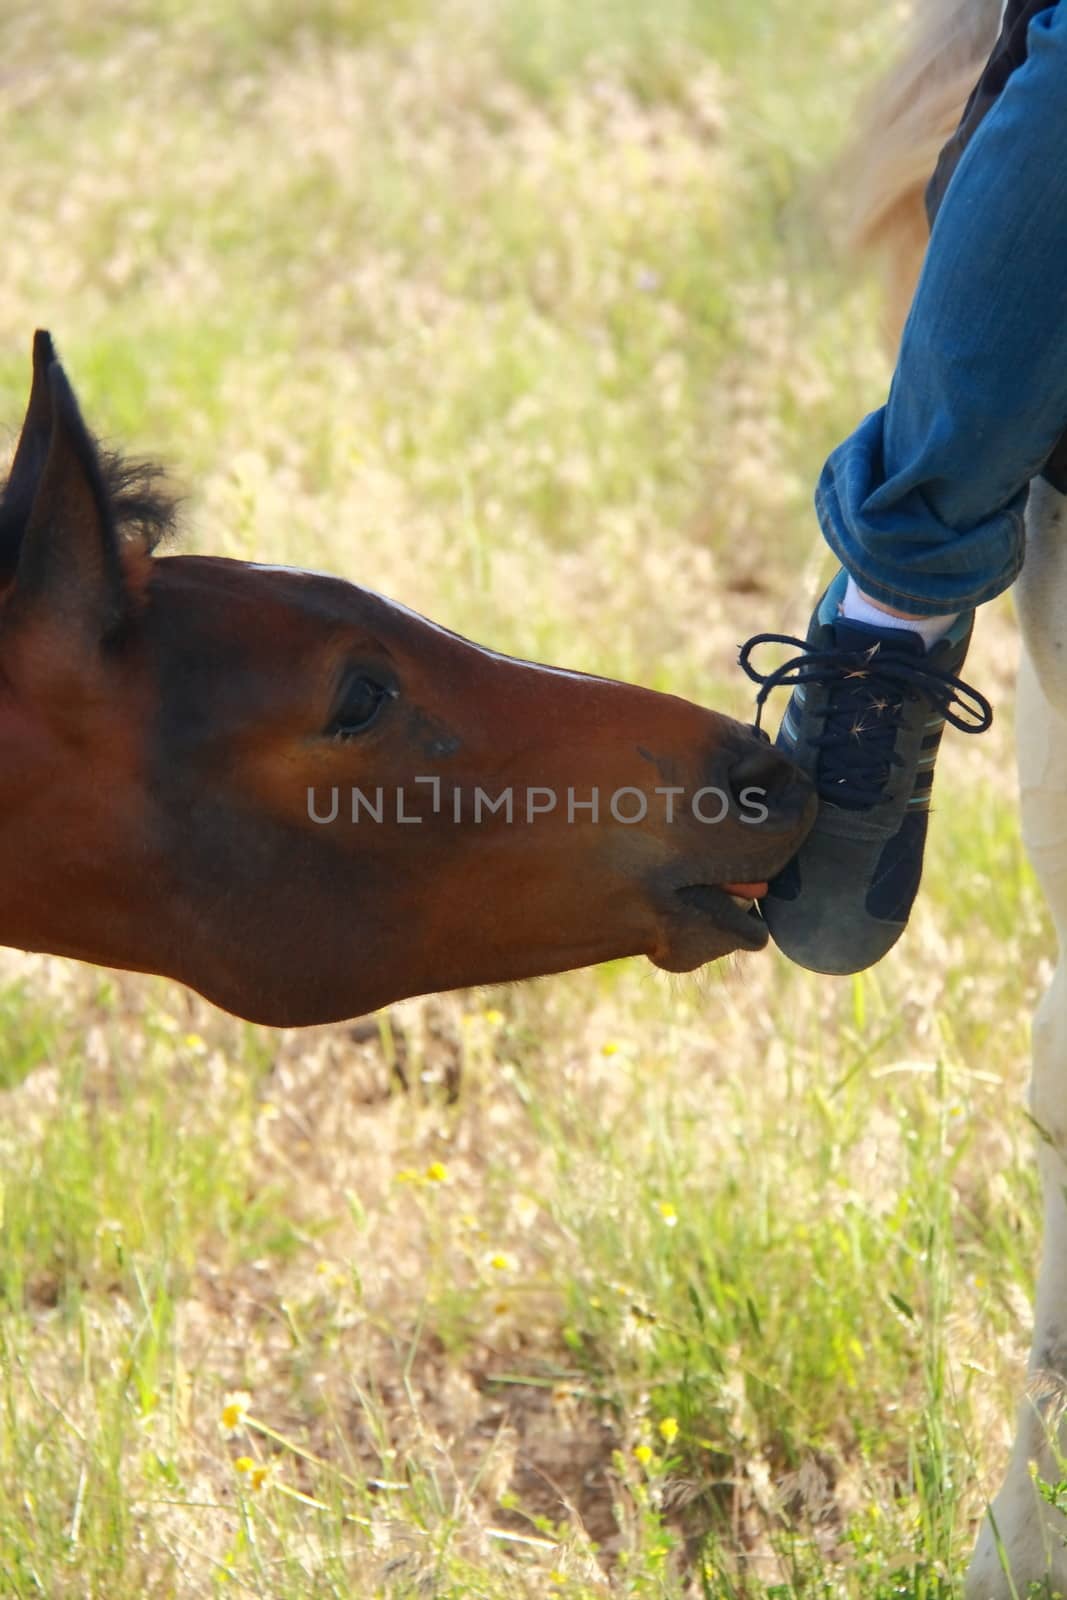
[
  {"x": 1024, "y": 1540},
  {"x": 1022, "y": 1535}
]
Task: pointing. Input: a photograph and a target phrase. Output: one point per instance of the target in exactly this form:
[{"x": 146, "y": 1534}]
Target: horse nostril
[{"x": 764, "y": 773}]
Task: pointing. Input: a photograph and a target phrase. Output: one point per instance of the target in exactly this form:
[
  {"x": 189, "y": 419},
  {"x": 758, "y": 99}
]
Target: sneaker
[{"x": 865, "y": 720}]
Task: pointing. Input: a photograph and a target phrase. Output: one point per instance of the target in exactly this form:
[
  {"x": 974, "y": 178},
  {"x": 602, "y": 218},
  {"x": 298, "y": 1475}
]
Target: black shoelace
[{"x": 864, "y": 713}]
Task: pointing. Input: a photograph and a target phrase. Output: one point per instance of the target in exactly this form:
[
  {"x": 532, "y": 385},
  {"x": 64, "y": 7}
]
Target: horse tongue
[{"x": 745, "y": 891}]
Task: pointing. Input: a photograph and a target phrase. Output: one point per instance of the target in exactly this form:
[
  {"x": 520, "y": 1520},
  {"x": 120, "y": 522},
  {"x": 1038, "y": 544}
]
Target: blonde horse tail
[{"x": 910, "y": 115}]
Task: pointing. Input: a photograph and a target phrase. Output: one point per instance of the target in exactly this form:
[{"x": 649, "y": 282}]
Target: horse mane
[
  {"x": 911, "y": 113},
  {"x": 143, "y": 506}
]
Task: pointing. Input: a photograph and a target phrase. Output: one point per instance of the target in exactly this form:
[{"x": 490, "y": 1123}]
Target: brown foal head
[{"x": 304, "y": 801}]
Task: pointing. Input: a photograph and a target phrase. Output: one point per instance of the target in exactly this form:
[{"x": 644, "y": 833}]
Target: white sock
[{"x": 858, "y": 608}]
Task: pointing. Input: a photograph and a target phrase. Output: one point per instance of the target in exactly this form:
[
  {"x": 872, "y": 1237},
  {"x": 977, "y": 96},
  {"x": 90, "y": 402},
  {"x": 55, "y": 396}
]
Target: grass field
[{"x": 528, "y": 314}]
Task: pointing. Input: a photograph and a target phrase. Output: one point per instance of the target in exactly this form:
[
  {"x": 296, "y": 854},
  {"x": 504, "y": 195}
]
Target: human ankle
[{"x": 860, "y": 607}]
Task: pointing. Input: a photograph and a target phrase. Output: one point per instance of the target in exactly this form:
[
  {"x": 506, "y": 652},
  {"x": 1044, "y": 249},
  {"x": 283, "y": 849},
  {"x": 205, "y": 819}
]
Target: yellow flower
[
  {"x": 494, "y": 1017},
  {"x": 329, "y": 1270},
  {"x": 668, "y": 1213},
  {"x": 260, "y": 1474},
  {"x": 437, "y": 1172},
  {"x": 643, "y": 1453},
  {"x": 609, "y": 1048},
  {"x": 503, "y": 1261},
  {"x": 234, "y": 1413},
  {"x": 669, "y": 1429}
]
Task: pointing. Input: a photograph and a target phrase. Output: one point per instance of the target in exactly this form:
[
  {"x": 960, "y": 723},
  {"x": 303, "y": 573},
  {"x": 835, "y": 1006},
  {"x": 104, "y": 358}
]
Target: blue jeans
[{"x": 924, "y": 503}]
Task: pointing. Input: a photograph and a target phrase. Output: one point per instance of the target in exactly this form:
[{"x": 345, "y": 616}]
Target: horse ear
[
  {"x": 30, "y": 453},
  {"x": 69, "y": 565}
]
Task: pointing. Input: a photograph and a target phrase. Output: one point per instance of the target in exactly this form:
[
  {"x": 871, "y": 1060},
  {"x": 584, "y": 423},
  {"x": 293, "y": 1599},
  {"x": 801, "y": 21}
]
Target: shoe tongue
[
  {"x": 849, "y": 635},
  {"x": 848, "y": 765}
]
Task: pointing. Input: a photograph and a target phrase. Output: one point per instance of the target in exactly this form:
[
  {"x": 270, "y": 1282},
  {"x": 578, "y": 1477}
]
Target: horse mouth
[
  {"x": 731, "y": 909},
  {"x": 705, "y": 921},
  {"x": 702, "y": 918}
]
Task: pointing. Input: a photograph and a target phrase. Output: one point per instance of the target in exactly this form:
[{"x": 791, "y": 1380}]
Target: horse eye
[{"x": 361, "y": 701}]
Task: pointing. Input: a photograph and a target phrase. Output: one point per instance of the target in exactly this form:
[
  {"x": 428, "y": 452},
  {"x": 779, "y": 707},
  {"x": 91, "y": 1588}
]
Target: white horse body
[{"x": 1023, "y": 1540}]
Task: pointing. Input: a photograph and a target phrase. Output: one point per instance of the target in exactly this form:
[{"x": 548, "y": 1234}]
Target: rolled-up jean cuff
[{"x": 922, "y": 594}]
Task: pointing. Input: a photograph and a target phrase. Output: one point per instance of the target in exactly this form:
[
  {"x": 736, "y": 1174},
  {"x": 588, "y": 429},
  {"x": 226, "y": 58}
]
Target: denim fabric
[
  {"x": 924, "y": 503},
  {"x": 1007, "y": 56}
]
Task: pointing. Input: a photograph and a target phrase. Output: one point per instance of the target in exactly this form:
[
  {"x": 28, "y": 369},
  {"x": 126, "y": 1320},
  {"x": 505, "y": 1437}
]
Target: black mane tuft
[{"x": 144, "y": 506}]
